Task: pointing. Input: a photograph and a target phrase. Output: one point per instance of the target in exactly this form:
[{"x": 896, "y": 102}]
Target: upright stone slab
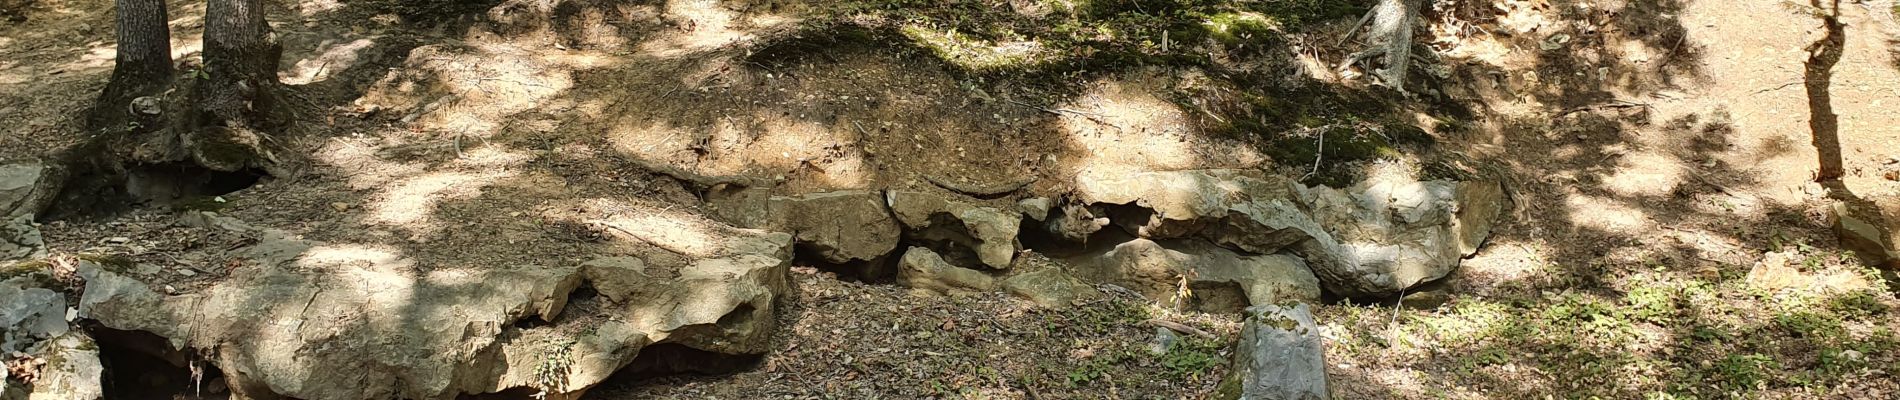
[{"x": 1280, "y": 357}]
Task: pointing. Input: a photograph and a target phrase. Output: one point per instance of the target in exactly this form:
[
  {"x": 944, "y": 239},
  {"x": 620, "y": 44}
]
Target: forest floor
[{"x": 1668, "y": 240}]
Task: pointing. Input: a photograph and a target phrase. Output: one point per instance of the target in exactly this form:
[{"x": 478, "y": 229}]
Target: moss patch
[
  {"x": 23, "y": 268},
  {"x": 111, "y": 262}
]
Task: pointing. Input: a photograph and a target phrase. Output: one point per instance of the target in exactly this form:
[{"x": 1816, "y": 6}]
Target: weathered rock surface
[
  {"x": 839, "y": 226},
  {"x": 954, "y": 228},
  {"x": 316, "y": 320},
  {"x": 29, "y": 314},
  {"x": 1376, "y": 238},
  {"x": 1073, "y": 223},
  {"x": 1220, "y": 278},
  {"x": 924, "y": 269},
  {"x": 1182, "y": 203},
  {"x": 72, "y": 370},
  {"x": 64, "y": 362},
  {"x": 1036, "y": 209},
  {"x": 20, "y": 240},
  {"x": 25, "y": 188},
  {"x": 1869, "y": 230},
  {"x": 1050, "y": 288},
  {"x": 1390, "y": 232},
  {"x": 1281, "y": 356}
]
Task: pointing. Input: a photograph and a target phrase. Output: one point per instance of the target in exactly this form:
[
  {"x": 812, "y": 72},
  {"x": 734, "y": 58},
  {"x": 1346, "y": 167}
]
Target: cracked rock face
[
  {"x": 1376, "y": 238},
  {"x": 25, "y": 188},
  {"x": 839, "y": 226},
  {"x": 20, "y": 240},
  {"x": 72, "y": 370},
  {"x": 315, "y": 320},
  {"x": 1221, "y": 279},
  {"x": 1280, "y": 356},
  {"x": 1390, "y": 232},
  {"x": 959, "y": 229},
  {"x": 29, "y": 314}
]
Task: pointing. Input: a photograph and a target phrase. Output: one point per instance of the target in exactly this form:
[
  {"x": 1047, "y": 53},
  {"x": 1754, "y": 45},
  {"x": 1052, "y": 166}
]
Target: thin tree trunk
[
  {"x": 1392, "y": 23},
  {"x": 143, "y": 64}
]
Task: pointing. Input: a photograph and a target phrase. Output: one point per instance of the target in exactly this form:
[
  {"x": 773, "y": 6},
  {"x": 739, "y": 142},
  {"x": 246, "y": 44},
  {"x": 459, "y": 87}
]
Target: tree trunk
[
  {"x": 142, "y": 67},
  {"x": 239, "y": 100},
  {"x": 1392, "y": 23},
  {"x": 241, "y": 60}
]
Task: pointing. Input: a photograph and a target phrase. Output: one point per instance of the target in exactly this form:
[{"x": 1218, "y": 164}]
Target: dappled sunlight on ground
[
  {"x": 330, "y": 57},
  {"x": 705, "y": 25},
  {"x": 1606, "y": 214},
  {"x": 410, "y": 201},
  {"x": 1645, "y": 174},
  {"x": 1121, "y": 126}
]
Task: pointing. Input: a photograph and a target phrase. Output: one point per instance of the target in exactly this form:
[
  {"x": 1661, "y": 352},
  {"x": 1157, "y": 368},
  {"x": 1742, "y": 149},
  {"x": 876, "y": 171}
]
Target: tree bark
[
  {"x": 241, "y": 59},
  {"x": 143, "y": 64},
  {"x": 239, "y": 101},
  {"x": 1392, "y": 23}
]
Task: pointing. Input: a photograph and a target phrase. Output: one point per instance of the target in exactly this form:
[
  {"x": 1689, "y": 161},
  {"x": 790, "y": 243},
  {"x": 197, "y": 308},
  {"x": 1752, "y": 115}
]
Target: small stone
[
  {"x": 1164, "y": 340},
  {"x": 118, "y": 239},
  {"x": 340, "y": 206},
  {"x": 1036, "y": 208},
  {"x": 187, "y": 272},
  {"x": 147, "y": 105}
]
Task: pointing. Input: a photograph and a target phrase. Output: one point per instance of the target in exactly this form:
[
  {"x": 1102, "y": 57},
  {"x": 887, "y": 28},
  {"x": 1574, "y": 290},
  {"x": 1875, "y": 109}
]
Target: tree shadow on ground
[{"x": 1637, "y": 251}]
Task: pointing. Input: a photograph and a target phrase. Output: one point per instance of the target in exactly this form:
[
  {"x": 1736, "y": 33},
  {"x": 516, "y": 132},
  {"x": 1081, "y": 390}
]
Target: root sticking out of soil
[{"x": 140, "y": 365}]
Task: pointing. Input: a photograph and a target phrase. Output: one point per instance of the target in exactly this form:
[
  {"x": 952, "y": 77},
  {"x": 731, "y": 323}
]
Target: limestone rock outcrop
[
  {"x": 315, "y": 320},
  {"x": 1375, "y": 238},
  {"x": 958, "y": 229},
  {"x": 1218, "y": 279}
]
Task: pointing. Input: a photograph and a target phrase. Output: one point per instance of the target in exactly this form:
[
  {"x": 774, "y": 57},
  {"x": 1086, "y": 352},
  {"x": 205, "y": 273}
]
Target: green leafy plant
[
  {"x": 1192, "y": 358},
  {"x": 550, "y": 373}
]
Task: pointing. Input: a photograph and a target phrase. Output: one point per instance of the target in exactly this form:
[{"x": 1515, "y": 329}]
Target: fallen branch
[
  {"x": 1183, "y": 328},
  {"x": 1317, "y": 156},
  {"x": 1613, "y": 104}
]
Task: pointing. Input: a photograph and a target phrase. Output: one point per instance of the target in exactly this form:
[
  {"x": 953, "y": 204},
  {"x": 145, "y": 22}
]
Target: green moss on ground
[{"x": 23, "y": 268}]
